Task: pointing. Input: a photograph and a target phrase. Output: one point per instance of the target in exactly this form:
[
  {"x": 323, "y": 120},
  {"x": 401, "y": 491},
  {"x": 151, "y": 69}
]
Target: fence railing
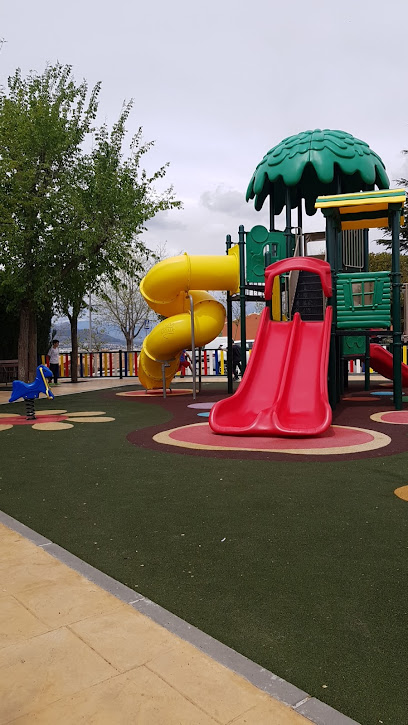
[{"x": 123, "y": 364}]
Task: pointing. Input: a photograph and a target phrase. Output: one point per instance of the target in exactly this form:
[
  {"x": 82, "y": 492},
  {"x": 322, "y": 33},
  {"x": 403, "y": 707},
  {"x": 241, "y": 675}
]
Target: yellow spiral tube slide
[{"x": 166, "y": 289}]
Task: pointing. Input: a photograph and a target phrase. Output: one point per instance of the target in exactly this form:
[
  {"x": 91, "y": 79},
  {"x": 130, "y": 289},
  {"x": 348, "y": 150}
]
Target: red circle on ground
[
  {"x": 358, "y": 398},
  {"x": 395, "y": 416},
  {"x": 20, "y": 420},
  {"x": 335, "y": 437}
]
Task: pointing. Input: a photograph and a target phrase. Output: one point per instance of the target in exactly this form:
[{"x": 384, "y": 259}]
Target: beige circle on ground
[
  {"x": 5, "y": 426},
  {"x": 10, "y": 415},
  {"x": 49, "y": 412},
  {"x": 90, "y": 420},
  {"x": 85, "y": 412},
  {"x": 52, "y": 426},
  {"x": 402, "y": 492},
  {"x": 379, "y": 440}
]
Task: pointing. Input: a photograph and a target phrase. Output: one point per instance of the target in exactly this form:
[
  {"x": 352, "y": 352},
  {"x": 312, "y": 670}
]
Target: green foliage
[
  {"x": 108, "y": 200},
  {"x": 43, "y": 121},
  {"x": 66, "y": 217},
  {"x": 381, "y": 262},
  {"x": 386, "y": 240}
]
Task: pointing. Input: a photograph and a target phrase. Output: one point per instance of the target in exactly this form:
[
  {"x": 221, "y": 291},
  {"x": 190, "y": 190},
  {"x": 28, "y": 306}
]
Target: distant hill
[{"x": 105, "y": 339}]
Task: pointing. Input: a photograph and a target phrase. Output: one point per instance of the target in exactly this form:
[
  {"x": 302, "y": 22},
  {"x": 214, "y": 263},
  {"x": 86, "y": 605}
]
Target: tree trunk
[
  {"x": 32, "y": 344},
  {"x": 27, "y": 342},
  {"x": 23, "y": 336},
  {"x": 129, "y": 343},
  {"x": 73, "y": 319}
]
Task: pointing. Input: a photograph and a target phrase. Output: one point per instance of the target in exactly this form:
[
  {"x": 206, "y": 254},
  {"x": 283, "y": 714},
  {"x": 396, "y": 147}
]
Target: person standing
[
  {"x": 53, "y": 354},
  {"x": 236, "y": 361}
]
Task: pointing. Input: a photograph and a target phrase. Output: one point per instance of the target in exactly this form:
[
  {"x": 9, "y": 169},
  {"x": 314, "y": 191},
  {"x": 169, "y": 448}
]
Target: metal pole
[
  {"x": 199, "y": 369},
  {"x": 396, "y": 306},
  {"x": 163, "y": 367},
  {"x": 193, "y": 350},
  {"x": 241, "y": 242},
  {"x": 90, "y": 324},
  {"x": 230, "y": 385}
]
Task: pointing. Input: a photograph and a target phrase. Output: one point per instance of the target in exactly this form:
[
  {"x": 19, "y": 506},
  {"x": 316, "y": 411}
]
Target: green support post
[
  {"x": 396, "y": 305},
  {"x": 229, "y": 330},
  {"x": 367, "y": 364},
  {"x": 271, "y": 211},
  {"x": 288, "y": 226},
  {"x": 241, "y": 242},
  {"x": 331, "y": 234}
]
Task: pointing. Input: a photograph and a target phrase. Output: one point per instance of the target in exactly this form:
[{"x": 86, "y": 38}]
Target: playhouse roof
[
  {"x": 310, "y": 164},
  {"x": 364, "y": 210}
]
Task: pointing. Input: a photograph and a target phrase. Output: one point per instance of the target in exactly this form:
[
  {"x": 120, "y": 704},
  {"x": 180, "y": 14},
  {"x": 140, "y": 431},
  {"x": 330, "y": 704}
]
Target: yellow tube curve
[{"x": 166, "y": 289}]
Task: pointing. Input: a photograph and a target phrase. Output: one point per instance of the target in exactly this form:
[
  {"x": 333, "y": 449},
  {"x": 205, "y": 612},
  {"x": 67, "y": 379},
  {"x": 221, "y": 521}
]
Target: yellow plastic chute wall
[{"x": 166, "y": 289}]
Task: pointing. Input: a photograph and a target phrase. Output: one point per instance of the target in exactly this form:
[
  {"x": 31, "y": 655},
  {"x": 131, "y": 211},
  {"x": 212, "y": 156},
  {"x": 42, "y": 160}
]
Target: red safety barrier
[
  {"x": 135, "y": 363},
  {"x": 352, "y": 366},
  {"x": 110, "y": 365},
  {"x": 205, "y": 363}
]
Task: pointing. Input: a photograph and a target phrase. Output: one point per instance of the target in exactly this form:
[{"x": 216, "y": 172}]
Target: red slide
[
  {"x": 284, "y": 389},
  {"x": 382, "y": 362}
]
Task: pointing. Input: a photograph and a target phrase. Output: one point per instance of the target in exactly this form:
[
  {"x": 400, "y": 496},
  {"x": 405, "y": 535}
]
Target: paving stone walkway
[{"x": 70, "y": 652}]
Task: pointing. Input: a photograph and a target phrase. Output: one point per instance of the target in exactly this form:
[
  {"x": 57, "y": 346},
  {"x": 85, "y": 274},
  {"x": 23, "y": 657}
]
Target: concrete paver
[
  {"x": 138, "y": 697},
  {"x": 71, "y": 652}
]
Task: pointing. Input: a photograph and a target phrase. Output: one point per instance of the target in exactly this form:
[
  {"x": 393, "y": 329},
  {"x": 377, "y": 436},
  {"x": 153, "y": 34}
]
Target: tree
[
  {"x": 43, "y": 122},
  {"x": 386, "y": 240},
  {"x": 122, "y": 304},
  {"x": 108, "y": 200},
  {"x": 381, "y": 262}
]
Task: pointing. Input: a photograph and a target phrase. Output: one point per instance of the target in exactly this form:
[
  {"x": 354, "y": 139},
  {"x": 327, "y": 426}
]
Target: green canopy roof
[{"x": 310, "y": 164}]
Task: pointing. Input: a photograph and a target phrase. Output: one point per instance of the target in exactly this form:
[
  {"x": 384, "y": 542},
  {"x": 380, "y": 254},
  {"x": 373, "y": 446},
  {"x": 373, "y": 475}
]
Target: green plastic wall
[
  {"x": 256, "y": 241},
  {"x": 354, "y": 345},
  {"x": 363, "y": 300}
]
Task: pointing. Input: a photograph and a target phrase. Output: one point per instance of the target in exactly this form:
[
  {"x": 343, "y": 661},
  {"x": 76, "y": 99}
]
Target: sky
[{"x": 217, "y": 84}]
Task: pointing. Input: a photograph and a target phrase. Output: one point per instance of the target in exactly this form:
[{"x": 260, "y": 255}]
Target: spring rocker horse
[{"x": 30, "y": 391}]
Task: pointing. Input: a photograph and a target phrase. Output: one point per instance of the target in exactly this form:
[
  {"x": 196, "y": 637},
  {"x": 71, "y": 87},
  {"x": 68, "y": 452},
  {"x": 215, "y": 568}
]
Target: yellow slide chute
[{"x": 166, "y": 289}]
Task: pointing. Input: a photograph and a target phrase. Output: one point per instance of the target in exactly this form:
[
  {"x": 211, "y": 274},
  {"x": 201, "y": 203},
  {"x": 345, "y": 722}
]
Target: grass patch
[{"x": 299, "y": 566}]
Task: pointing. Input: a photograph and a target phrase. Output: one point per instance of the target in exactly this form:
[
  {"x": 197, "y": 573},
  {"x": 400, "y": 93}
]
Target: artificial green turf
[{"x": 299, "y": 566}]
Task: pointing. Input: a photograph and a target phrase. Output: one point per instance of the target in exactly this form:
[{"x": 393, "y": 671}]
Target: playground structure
[
  {"x": 334, "y": 172},
  {"x": 30, "y": 391},
  {"x": 172, "y": 288}
]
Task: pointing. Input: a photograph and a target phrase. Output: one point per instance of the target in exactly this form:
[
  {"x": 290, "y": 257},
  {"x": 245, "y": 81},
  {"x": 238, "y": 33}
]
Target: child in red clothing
[{"x": 185, "y": 362}]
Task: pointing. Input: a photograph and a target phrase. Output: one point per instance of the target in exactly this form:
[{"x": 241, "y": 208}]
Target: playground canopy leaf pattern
[{"x": 312, "y": 164}]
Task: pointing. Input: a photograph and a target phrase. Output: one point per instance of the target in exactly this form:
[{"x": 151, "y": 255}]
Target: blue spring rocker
[{"x": 30, "y": 391}]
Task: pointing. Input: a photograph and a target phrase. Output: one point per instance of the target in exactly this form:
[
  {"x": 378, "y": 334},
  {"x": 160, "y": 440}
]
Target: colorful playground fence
[{"x": 123, "y": 364}]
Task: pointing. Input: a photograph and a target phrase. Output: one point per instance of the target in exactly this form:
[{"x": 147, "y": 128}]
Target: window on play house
[{"x": 362, "y": 293}]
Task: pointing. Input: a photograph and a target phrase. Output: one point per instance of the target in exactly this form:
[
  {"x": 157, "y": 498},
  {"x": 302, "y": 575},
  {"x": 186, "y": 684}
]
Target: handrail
[{"x": 307, "y": 264}]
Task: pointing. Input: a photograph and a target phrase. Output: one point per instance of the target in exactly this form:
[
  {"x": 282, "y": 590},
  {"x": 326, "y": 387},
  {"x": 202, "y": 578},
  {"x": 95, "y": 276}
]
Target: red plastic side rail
[{"x": 306, "y": 264}]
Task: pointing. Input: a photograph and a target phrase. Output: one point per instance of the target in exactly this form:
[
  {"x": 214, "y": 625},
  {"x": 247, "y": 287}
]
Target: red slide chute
[{"x": 284, "y": 389}]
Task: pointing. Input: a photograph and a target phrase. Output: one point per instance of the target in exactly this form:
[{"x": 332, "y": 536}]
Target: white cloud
[{"x": 225, "y": 200}]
